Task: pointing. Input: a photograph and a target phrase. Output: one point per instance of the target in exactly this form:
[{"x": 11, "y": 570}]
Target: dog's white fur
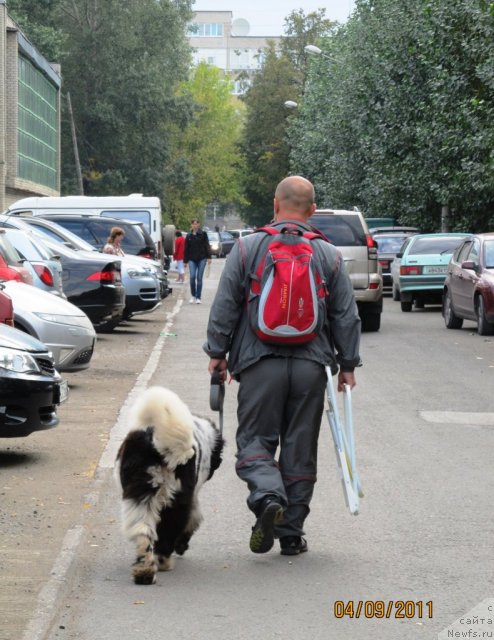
[
  {"x": 172, "y": 421},
  {"x": 177, "y": 436}
]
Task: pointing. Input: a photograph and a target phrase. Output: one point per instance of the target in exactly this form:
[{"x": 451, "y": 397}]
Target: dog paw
[
  {"x": 144, "y": 572},
  {"x": 144, "y": 577},
  {"x": 165, "y": 563},
  {"x": 181, "y": 546}
]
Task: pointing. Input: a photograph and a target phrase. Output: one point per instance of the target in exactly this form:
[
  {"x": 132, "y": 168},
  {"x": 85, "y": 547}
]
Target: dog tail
[{"x": 172, "y": 421}]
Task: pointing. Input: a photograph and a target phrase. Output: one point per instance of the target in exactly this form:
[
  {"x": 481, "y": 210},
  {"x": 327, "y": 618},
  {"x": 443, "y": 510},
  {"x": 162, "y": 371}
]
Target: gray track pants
[{"x": 280, "y": 403}]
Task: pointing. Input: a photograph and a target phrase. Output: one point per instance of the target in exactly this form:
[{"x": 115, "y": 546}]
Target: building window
[
  {"x": 37, "y": 126},
  {"x": 206, "y": 30}
]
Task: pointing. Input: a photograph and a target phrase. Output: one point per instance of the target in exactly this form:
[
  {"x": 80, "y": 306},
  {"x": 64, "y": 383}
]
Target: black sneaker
[
  {"x": 293, "y": 545},
  {"x": 262, "y": 536}
]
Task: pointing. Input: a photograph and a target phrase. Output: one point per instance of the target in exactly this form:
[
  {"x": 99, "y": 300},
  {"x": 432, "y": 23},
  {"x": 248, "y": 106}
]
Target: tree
[
  {"x": 264, "y": 145},
  {"x": 121, "y": 62},
  {"x": 204, "y": 166},
  {"x": 403, "y": 125}
]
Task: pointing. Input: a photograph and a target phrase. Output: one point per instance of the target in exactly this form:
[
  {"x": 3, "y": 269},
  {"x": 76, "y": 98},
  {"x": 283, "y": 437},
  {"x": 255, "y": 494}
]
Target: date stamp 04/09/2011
[{"x": 391, "y": 609}]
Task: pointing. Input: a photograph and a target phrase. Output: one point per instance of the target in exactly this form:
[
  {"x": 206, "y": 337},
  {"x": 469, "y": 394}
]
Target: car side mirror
[
  {"x": 469, "y": 265},
  {"x": 399, "y": 255}
]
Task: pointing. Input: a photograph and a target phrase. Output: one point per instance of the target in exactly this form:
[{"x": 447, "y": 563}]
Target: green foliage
[
  {"x": 39, "y": 21},
  {"x": 301, "y": 30},
  {"x": 204, "y": 166},
  {"x": 403, "y": 124},
  {"x": 264, "y": 145},
  {"x": 121, "y": 62}
]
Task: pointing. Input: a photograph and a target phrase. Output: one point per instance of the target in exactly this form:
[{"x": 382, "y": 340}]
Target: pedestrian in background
[
  {"x": 113, "y": 244},
  {"x": 282, "y": 387},
  {"x": 178, "y": 256},
  {"x": 197, "y": 253}
]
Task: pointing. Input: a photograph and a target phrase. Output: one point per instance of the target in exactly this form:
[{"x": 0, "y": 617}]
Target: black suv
[{"x": 30, "y": 386}]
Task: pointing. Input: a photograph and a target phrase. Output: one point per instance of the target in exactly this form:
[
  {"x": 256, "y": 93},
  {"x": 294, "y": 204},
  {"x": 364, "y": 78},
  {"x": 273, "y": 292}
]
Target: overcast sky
[{"x": 266, "y": 17}]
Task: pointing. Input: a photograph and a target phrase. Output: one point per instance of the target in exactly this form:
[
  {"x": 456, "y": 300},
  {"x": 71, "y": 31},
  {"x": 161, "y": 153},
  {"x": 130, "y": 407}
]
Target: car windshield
[
  {"x": 489, "y": 254},
  {"x": 213, "y": 236},
  {"x": 439, "y": 245},
  {"x": 389, "y": 244},
  {"x": 342, "y": 231}
]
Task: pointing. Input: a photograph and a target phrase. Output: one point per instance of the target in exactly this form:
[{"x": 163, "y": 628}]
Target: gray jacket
[{"x": 229, "y": 333}]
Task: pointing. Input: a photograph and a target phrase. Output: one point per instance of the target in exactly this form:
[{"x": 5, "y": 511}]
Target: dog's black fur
[{"x": 161, "y": 466}]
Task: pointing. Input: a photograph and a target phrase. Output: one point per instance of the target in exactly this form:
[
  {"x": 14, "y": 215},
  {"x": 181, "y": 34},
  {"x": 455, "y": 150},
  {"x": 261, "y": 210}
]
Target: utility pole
[
  {"x": 74, "y": 143},
  {"x": 445, "y": 218}
]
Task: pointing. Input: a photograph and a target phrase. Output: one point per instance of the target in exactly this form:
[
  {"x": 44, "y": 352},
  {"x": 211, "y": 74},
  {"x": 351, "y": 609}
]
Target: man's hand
[
  {"x": 346, "y": 377},
  {"x": 221, "y": 365}
]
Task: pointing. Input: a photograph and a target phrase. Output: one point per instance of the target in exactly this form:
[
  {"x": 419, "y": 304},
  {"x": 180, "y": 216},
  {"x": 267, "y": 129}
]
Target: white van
[{"x": 133, "y": 207}]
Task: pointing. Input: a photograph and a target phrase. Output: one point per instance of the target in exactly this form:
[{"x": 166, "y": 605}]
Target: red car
[
  {"x": 6, "y": 308},
  {"x": 11, "y": 262},
  {"x": 469, "y": 286}
]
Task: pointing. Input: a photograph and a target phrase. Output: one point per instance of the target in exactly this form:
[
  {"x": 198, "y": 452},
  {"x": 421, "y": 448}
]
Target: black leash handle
[{"x": 217, "y": 395}]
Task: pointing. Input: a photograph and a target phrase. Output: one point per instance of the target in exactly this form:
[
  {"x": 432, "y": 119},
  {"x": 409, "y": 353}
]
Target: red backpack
[{"x": 286, "y": 301}]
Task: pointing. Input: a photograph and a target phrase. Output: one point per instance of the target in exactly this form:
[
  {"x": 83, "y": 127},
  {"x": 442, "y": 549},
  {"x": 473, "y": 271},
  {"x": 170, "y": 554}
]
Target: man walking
[{"x": 281, "y": 387}]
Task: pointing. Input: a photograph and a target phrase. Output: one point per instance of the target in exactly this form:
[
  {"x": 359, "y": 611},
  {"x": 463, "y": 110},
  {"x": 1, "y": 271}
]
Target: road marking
[
  {"x": 48, "y": 598},
  {"x": 459, "y": 417},
  {"x": 119, "y": 430}
]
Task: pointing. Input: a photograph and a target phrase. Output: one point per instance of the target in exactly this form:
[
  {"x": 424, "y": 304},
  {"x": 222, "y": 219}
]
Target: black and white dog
[{"x": 161, "y": 465}]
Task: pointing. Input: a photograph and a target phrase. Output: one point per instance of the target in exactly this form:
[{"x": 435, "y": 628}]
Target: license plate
[
  {"x": 438, "y": 269},
  {"x": 63, "y": 388}
]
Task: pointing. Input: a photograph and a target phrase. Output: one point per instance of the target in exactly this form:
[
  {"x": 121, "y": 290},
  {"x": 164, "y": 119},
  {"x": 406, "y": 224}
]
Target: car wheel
[
  {"x": 484, "y": 328},
  {"x": 451, "y": 320},
  {"x": 406, "y": 305},
  {"x": 169, "y": 239},
  {"x": 396, "y": 293},
  {"x": 371, "y": 322}
]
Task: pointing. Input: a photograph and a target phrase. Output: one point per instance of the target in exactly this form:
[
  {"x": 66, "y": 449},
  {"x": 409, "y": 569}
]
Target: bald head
[{"x": 294, "y": 198}]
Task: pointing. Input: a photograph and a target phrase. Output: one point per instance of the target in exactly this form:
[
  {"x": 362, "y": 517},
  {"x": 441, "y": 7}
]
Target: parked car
[
  {"x": 93, "y": 282},
  {"x": 420, "y": 268},
  {"x": 30, "y": 386},
  {"x": 374, "y": 231},
  {"x": 388, "y": 245},
  {"x": 96, "y": 229},
  {"x": 60, "y": 325},
  {"x": 348, "y": 231},
  {"x": 227, "y": 242},
  {"x": 469, "y": 286},
  {"x": 214, "y": 243},
  {"x": 240, "y": 233},
  {"x": 11, "y": 267},
  {"x": 6, "y": 308},
  {"x": 46, "y": 270},
  {"x": 134, "y": 207},
  {"x": 139, "y": 297}
]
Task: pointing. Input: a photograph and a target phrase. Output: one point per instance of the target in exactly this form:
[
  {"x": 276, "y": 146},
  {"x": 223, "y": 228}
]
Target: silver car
[
  {"x": 139, "y": 275},
  {"x": 60, "y": 325},
  {"x": 46, "y": 269}
]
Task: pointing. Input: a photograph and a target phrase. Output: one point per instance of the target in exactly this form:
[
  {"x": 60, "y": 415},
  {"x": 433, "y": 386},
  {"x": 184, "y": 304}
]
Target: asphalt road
[{"x": 424, "y": 422}]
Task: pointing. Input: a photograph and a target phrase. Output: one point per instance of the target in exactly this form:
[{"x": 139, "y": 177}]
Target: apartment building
[
  {"x": 29, "y": 117},
  {"x": 225, "y": 43}
]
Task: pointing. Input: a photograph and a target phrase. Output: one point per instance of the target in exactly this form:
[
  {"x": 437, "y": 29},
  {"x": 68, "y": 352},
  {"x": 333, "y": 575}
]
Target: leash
[{"x": 217, "y": 396}]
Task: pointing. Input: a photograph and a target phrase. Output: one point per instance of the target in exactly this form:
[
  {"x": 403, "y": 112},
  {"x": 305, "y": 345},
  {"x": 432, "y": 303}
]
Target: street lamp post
[{"x": 315, "y": 51}]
